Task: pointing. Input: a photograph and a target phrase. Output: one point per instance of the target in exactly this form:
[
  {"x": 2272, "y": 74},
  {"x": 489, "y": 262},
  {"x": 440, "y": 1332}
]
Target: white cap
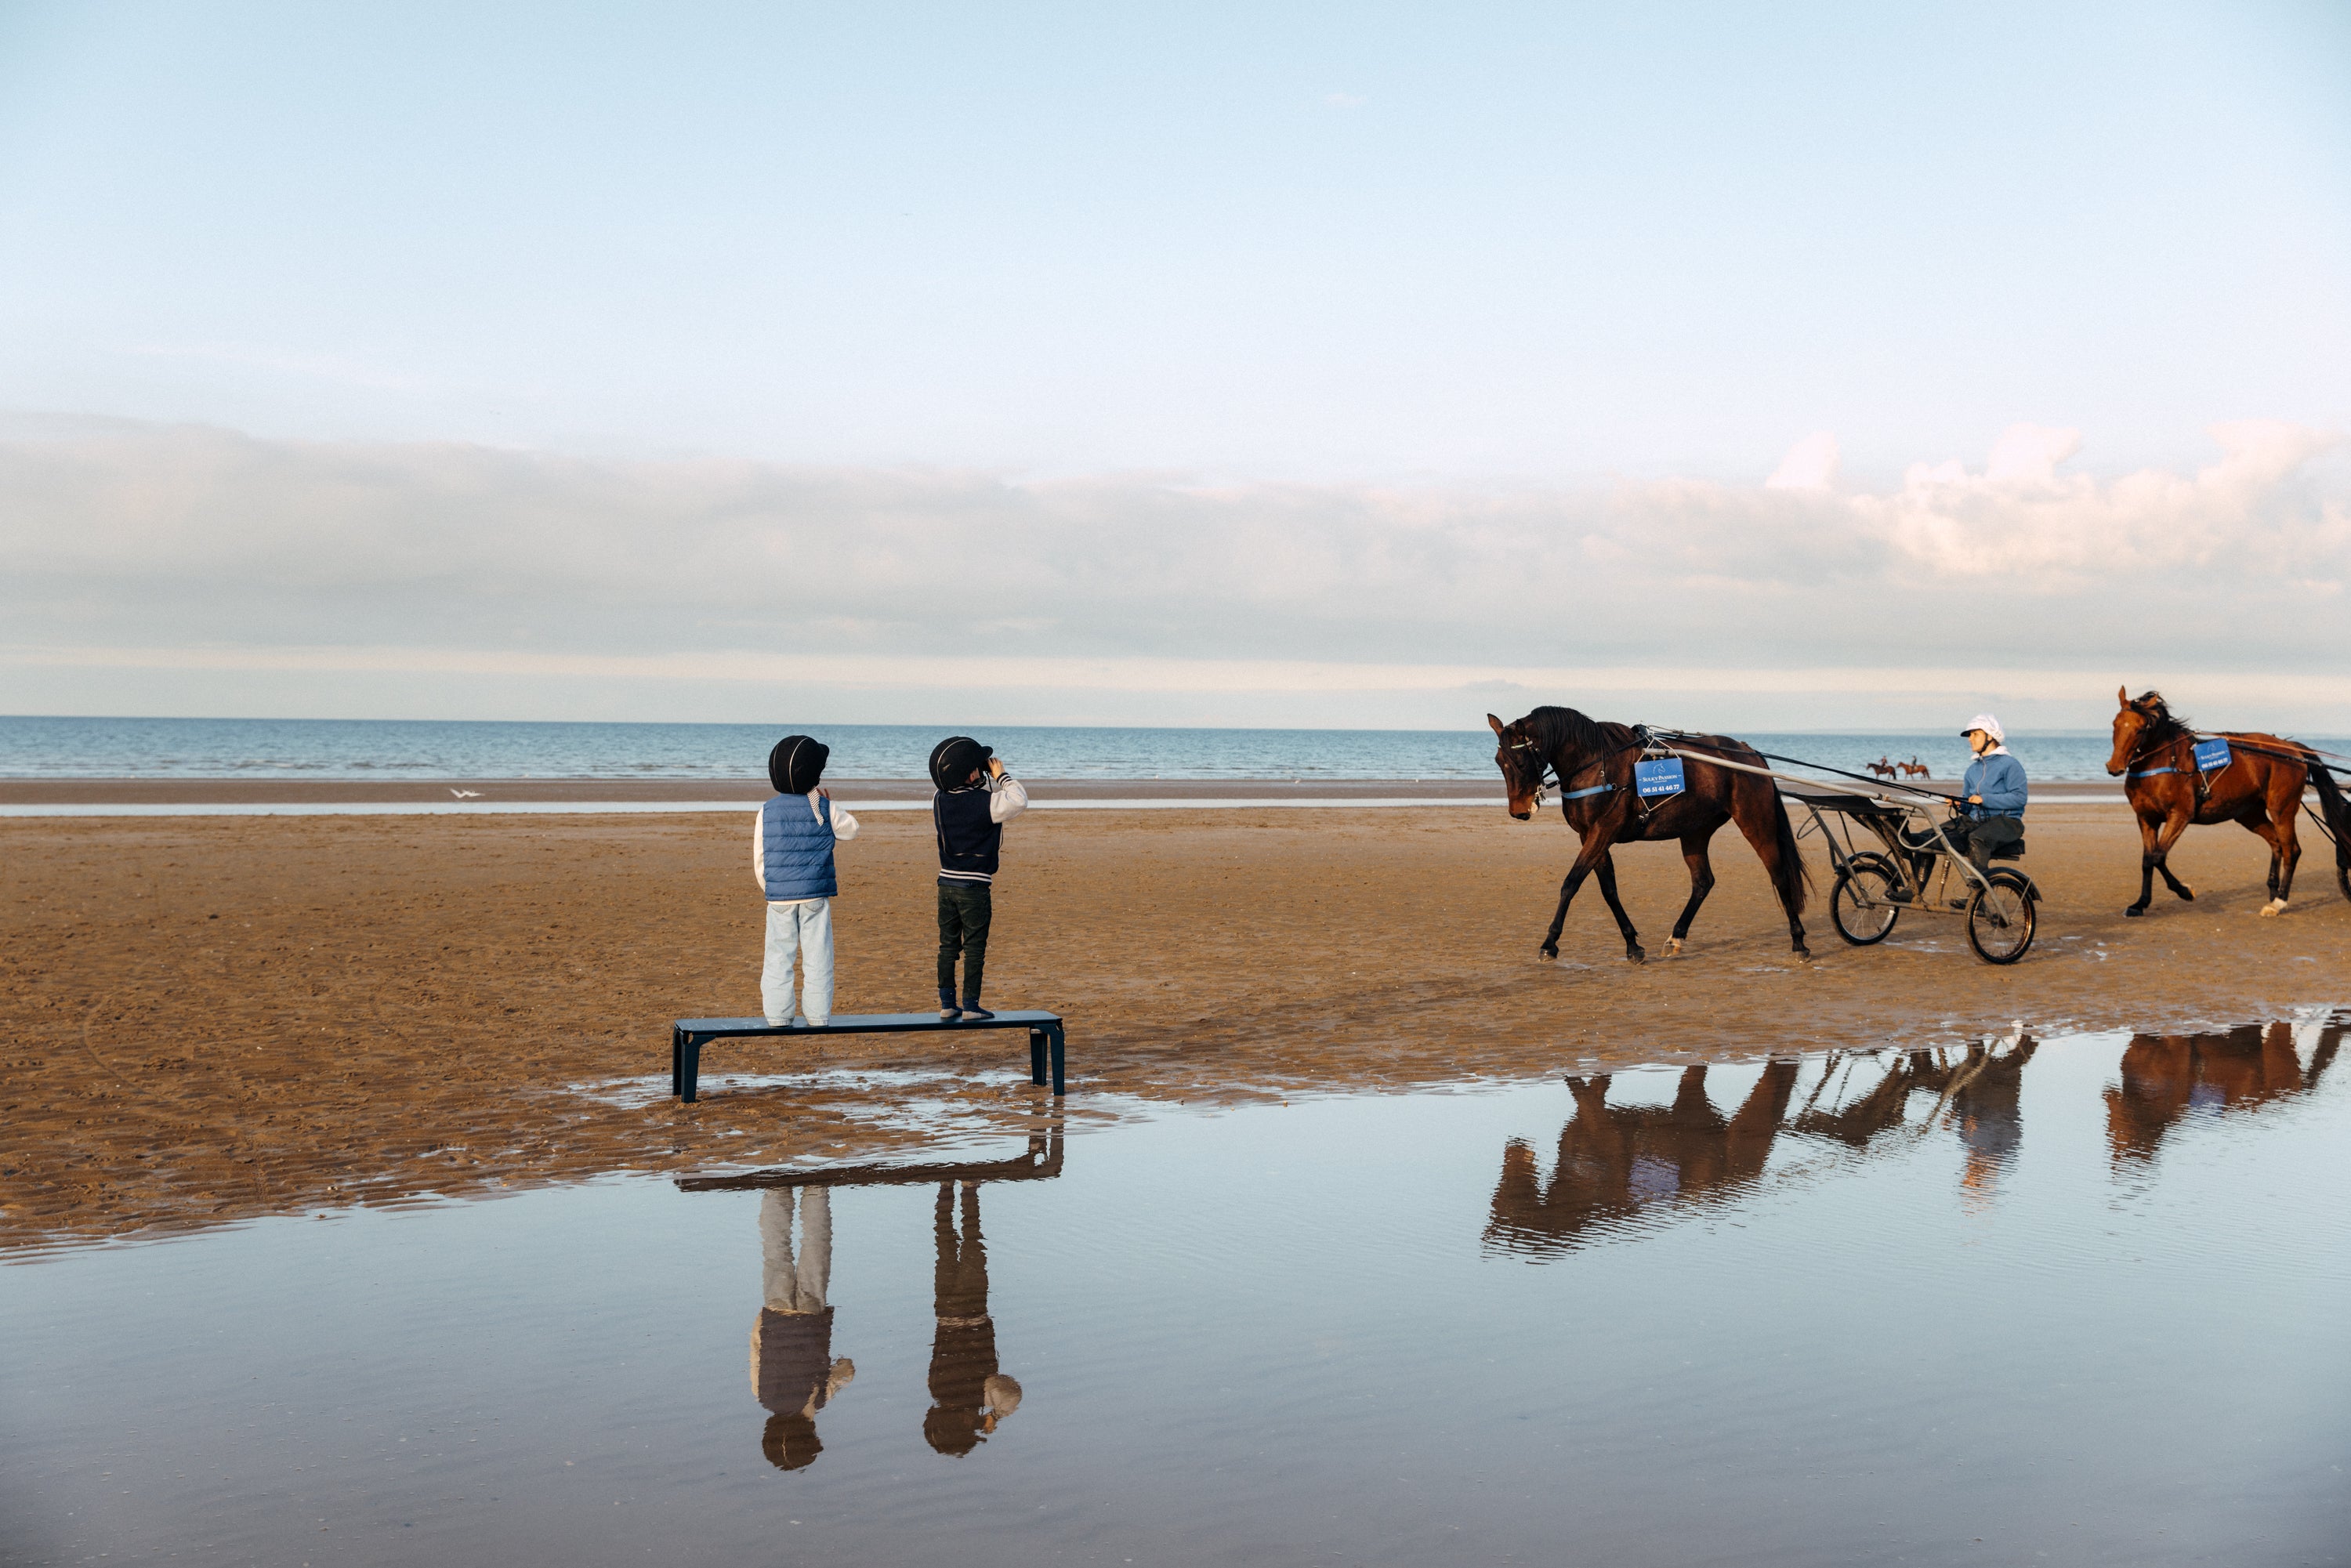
[{"x": 1989, "y": 725}]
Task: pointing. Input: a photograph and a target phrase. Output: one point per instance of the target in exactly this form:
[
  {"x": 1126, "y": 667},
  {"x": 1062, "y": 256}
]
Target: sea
[{"x": 90, "y": 747}]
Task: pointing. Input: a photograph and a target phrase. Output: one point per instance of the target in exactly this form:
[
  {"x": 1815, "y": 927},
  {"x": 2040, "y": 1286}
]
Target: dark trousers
[
  {"x": 964, "y": 908},
  {"x": 1978, "y": 836}
]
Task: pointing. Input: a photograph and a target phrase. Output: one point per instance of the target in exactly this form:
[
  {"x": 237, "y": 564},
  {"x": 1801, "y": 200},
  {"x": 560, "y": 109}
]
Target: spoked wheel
[
  {"x": 1861, "y": 905},
  {"x": 2001, "y": 918}
]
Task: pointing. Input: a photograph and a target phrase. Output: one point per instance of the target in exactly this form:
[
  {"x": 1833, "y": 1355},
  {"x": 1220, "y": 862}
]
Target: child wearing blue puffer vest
[{"x": 791, "y": 855}]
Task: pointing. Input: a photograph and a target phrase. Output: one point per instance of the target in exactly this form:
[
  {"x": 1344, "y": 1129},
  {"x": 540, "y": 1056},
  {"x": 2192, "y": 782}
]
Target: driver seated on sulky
[{"x": 1991, "y": 816}]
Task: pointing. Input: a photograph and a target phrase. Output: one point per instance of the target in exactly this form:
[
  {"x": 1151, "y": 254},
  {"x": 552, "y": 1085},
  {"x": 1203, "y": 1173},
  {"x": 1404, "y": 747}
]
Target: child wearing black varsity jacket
[{"x": 975, "y": 797}]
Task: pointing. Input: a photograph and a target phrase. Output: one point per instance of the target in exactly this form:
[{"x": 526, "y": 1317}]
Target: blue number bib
[
  {"x": 1663, "y": 777},
  {"x": 2211, "y": 756}
]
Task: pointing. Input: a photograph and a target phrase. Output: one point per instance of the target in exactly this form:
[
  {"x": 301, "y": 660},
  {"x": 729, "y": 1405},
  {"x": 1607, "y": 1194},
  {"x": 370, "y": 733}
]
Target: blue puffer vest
[{"x": 797, "y": 848}]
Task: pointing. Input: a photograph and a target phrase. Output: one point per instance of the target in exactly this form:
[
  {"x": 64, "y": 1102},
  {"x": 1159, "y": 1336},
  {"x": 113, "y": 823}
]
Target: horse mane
[
  {"x": 1557, "y": 727},
  {"x": 2162, "y": 724}
]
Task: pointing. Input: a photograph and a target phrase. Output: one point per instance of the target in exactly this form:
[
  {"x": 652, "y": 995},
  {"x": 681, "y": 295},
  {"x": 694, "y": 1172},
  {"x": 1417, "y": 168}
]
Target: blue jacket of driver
[{"x": 1999, "y": 778}]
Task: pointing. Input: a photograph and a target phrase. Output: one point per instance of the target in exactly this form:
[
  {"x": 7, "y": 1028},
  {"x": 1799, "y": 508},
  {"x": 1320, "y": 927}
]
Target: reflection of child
[
  {"x": 792, "y": 854},
  {"x": 968, "y": 1396},
  {"x": 793, "y": 1374},
  {"x": 975, "y": 797}
]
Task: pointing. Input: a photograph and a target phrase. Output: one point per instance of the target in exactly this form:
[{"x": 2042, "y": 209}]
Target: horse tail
[
  {"x": 1791, "y": 876},
  {"x": 2331, "y": 806}
]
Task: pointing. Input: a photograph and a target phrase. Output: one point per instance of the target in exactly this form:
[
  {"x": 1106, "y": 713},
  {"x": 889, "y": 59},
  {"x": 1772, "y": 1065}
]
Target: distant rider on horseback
[{"x": 1993, "y": 814}]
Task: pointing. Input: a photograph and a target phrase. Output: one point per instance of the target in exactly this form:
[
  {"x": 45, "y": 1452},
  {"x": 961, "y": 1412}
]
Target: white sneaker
[{"x": 817, "y": 1023}]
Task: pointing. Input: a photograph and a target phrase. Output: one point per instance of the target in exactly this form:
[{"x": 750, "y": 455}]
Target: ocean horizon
[{"x": 94, "y": 747}]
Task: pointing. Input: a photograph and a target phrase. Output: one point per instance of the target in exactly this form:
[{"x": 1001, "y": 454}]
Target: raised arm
[{"x": 1008, "y": 800}]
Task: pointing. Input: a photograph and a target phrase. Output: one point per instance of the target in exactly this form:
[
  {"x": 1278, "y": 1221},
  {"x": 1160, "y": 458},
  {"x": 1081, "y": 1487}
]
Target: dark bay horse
[
  {"x": 1595, "y": 763},
  {"x": 2260, "y": 789}
]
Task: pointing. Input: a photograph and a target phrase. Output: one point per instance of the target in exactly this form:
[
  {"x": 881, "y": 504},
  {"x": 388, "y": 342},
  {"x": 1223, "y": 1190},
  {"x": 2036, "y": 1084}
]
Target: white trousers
[
  {"x": 801, "y": 931},
  {"x": 788, "y": 1283}
]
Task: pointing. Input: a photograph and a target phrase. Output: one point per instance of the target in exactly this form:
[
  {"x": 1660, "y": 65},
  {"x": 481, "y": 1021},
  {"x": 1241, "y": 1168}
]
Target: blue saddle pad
[
  {"x": 1662, "y": 777},
  {"x": 2211, "y": 756}
]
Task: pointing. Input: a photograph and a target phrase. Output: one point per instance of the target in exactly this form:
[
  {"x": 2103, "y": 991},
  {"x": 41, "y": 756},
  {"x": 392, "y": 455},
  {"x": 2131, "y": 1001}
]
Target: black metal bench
[{"x": 688, "y": 1036}]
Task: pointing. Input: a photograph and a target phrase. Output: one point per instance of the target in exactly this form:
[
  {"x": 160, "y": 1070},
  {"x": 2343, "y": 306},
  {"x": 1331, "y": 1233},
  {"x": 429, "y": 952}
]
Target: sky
[{"x": 1820, "y": 366}]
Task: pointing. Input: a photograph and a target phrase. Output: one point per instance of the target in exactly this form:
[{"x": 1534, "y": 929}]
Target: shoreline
[{"x": 149, "y": 796}]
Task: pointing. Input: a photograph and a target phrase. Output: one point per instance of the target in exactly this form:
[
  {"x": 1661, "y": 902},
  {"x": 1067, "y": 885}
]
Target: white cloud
[
  {"x": 1811, "y": 464},
  {"x": 261, "y": 557}
]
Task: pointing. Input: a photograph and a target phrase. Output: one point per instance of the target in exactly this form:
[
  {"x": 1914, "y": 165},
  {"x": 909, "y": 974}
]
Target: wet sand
[{"x": 208, "y": 1019}]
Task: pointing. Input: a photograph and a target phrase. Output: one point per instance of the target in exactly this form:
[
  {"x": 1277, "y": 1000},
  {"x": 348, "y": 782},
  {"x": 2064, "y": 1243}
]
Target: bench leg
[
  {"x": 677, "y": 1062},
  {"x": 1056, "y": 1040},
  {"x": 689, "y": 1068},
  {"x": 1037, "y": 1056}
]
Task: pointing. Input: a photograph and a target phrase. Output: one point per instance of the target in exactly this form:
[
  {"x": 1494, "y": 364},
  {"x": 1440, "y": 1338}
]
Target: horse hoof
[
  {"x": 1673, "y": 947},
  {"x": 2135, "y": 911},
  {"x": 2185, "y": 894},
  {"x": 1550, "y": 952},
  {"x": 2273, "y": 908},
  {"x": 1635, "y": 955},
  {"x": 1803, "y": 955}
]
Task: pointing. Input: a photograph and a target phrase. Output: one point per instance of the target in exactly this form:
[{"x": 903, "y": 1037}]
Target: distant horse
[
  {"x": 1915, "y": 767},
  {"x": 2260, "y": 789},
  {"x": 1883, "y": 769},
  {"x": 1595, "y": 763}
]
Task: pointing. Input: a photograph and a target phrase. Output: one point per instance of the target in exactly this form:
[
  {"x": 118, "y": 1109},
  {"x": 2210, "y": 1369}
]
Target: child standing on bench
[
  {"x": 975, "y": 797},
  {"x": 792, "y": 854}
]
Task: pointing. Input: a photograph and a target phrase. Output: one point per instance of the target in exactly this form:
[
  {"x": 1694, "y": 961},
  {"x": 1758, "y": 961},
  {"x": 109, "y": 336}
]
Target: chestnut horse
[
  {"x": 1595, "y": 765},
  {"x": 2260, "y": 789}
]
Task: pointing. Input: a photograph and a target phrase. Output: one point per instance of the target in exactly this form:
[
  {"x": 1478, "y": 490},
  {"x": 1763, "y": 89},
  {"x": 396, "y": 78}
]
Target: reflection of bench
[
  {"x": 688, "y": 1036},
  {"x": 1041, "y": 1162}
]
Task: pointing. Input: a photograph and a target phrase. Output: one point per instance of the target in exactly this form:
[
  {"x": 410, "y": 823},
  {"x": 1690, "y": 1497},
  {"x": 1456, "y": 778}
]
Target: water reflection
[
  {"x": 968, "y": 1396},
  {"x": 2167, "y": 1077},
  {"x": 1616, "y": 1161},
  {"x": 794, "y": 1374}
]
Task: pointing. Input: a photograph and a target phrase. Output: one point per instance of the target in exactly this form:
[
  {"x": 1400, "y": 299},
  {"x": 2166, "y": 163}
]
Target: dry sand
[{"x": 208, "y": 1019}]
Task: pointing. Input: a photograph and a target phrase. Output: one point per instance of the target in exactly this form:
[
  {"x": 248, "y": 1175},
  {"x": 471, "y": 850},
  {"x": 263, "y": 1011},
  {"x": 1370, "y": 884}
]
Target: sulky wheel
[
  {"x": 1861, "y": 904},
  {"x": 2001, "y": 918}
]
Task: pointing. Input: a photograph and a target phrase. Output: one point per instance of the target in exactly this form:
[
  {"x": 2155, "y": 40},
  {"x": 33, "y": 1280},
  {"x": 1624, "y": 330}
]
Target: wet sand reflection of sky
[{"x": 1906, "y": 1304}]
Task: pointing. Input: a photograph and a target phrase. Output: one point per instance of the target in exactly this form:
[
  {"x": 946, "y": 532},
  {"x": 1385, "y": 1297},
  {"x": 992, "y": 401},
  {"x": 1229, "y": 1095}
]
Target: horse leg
[
  {"x": 1701, "y": 871},
  {"x": 2175, "y": 825},
  {"x": 1766, "y": 829},
  {"x": 2277, "y": 831},
  {"x": 1594, "y": 851},
  {"x": 2146, "y": 868},
  {"x": 1615, "y": 906}
]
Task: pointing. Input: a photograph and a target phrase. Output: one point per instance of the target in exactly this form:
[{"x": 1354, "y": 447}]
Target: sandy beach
[{"x": 211, "y": 1018}]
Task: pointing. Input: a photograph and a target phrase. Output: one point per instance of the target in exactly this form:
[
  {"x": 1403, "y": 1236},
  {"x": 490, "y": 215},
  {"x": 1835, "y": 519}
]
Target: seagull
[{"x": 466, "y": 794}]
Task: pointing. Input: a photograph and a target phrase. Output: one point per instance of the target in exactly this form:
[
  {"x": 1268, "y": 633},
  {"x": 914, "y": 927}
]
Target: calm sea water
[
  {"x": 2078, "y": 1302},
  {"x": 401, "y": 748}
]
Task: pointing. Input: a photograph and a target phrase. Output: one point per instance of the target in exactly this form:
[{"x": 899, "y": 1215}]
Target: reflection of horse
[
  {"x": 2164, "y": 1077},
  {"x": 1595, "y": 763},
  {"x": 2260, "y": 790},
  {"x": 1617, "y": 1160},
  {"x": 1613, "y": 1159}
]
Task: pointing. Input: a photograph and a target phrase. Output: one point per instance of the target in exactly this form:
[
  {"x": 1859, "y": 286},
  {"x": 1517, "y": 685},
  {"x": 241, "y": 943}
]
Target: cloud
[
  {"x": 1811, "y": 464},
  {"x": 124, "y": 536}
]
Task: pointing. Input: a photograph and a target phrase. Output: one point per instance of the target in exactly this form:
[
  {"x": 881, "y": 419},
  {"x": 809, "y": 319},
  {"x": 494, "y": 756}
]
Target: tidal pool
[{"x": 2072, "y": 1300}]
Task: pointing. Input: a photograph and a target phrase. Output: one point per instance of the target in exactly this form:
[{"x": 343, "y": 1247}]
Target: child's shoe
[
  {"x": 948, "y": 1013},
  {"x": 972, "y": 1010}
]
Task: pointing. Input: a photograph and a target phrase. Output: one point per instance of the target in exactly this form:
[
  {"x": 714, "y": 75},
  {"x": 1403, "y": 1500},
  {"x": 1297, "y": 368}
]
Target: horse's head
[
  {"x": 2143, "y": 720},
  {"x": 1522, "y": 760}
]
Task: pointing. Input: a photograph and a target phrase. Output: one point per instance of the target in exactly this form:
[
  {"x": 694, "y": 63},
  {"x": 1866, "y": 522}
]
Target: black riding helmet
[
  {"x": 952, "y": 759},
  {"x": 797, "y": 763}
]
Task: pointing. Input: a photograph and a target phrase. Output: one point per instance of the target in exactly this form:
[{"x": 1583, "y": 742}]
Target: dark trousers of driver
[{"x": 1979, "y": 836}]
